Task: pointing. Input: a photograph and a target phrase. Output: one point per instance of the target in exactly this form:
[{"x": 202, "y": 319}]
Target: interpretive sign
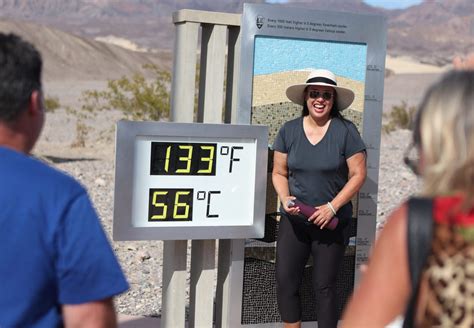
[{"x": 280, "y": 44}]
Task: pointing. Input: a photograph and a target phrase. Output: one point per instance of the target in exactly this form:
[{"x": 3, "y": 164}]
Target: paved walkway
[{"x": 128, "y": 321}]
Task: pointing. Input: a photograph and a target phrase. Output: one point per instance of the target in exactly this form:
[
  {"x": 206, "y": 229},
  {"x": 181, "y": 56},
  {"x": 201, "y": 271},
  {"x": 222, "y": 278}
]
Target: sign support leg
[
  {"x": 174, "y": 281},
  {"x": 201, "y": 300}
]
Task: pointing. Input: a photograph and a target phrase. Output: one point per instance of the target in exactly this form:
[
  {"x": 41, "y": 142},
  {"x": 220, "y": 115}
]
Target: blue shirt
[{"x": 53, "y": 248}]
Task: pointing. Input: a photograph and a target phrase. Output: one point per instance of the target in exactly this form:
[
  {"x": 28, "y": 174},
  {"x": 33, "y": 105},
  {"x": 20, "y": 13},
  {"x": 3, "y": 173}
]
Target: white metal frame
[{"x": 220, "y": 54}]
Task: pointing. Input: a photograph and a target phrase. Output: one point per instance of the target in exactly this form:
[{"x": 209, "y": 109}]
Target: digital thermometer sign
[{"x": 189, "y": 181}]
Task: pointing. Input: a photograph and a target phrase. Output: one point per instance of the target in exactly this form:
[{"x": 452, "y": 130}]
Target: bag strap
[{"x": 419, "y": 235}]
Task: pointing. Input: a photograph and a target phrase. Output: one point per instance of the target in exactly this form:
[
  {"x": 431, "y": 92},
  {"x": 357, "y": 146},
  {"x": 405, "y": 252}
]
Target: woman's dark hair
[{"x": 334, "y": 111}]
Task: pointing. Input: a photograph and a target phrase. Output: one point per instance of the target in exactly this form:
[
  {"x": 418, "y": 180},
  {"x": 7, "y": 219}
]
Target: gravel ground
[{"x": 93, "y": 166}]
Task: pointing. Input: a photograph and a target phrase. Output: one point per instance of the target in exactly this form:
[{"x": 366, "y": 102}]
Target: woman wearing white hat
[{"x": 319, "y": 160}]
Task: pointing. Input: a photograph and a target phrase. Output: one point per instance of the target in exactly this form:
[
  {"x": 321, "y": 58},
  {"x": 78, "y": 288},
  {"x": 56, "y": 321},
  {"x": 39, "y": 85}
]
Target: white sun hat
[{"x": 323, "y": 77}]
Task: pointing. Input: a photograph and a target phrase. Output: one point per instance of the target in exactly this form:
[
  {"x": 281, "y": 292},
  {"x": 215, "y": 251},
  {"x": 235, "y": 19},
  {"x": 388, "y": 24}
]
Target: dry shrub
[
  {"x": 137, "y": 98},
  {"x": 51, "y": 104},
  {"x": 400, "y": 117}
]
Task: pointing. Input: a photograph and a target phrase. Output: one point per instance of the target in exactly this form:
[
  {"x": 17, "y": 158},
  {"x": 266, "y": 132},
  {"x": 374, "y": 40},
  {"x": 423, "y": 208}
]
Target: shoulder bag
[{"x": 420, "y": 234}]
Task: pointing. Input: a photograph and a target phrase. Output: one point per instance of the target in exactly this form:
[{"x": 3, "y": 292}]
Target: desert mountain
[
  {"x": 67, "y": 56},
  {"x": 432, "y": 32},
  {"x": 66, "y": 30},
  {"x": 148, "y": 23}
]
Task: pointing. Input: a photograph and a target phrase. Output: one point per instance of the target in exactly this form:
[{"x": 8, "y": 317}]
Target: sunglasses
[{"x": 316, "y": 94}]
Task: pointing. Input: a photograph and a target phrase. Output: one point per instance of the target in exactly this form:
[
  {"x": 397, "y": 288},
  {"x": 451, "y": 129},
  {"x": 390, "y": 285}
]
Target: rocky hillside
[
  {"x": 146, "y": 22},
  {"x": 67, "y": 56},
  {"x": 433, "y": 31}
]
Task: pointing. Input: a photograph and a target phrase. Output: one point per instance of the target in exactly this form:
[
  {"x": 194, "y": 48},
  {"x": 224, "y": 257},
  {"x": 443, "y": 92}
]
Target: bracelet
[{"x": 332, "y": 208}]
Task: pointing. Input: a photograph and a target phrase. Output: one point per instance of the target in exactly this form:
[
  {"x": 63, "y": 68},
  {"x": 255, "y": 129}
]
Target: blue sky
[
  {"x": 388, "y": 4},
  {"x": 393, "y": 4},
  {"x": 279, "y": 55}
]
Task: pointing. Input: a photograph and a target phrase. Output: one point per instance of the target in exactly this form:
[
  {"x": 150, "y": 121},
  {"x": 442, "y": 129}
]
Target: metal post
[
  {"x": 182, "y": 110},
  {"x": 229, "y": 282},
  {"x": 184, "y": 72},
  {"x": 211, "y": 98},
  {"x": 233, "y": 63},
  {"x": 231, "y": 252},
  {"x": 174, "y": 279}
]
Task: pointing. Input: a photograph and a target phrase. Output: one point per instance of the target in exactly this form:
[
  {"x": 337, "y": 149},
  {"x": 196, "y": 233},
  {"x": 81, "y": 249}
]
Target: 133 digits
[{"x": 172, "y": 158}]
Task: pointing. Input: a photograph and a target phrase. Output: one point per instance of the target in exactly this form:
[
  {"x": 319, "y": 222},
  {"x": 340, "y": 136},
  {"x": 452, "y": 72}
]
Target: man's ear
[{"x": 36, "y": 105}]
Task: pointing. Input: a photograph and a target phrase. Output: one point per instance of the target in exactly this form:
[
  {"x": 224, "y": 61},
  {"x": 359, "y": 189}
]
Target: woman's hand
[
  {"x": 292, "y": 210},
  {"x": 322, "y": 216}
]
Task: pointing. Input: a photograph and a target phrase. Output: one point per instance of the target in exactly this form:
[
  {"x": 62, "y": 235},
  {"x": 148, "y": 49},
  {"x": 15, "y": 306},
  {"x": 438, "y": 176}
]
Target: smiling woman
[{"x": 319, "y": 160}]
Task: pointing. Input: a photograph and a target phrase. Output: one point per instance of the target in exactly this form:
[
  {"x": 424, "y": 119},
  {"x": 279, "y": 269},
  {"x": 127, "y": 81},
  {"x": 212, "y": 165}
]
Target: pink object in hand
[{"x": 308, "y": 210}]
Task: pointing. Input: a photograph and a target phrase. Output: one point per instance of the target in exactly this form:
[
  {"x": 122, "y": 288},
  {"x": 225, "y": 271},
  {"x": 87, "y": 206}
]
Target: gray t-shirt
[{"x": 318, "y": 172}]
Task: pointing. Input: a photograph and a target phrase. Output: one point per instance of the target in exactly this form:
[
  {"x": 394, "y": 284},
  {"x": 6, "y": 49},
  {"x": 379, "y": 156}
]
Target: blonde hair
[{"x": 445, "y": 133}]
